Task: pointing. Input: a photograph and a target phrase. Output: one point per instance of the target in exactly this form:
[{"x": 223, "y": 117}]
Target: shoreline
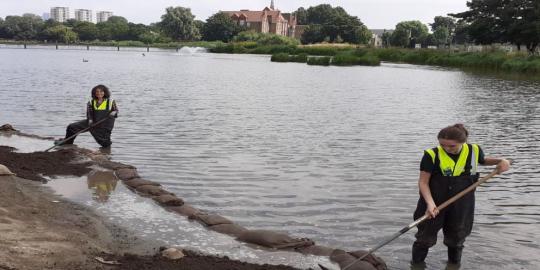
[
  {"x": 42, "y": 230},
  {"x": 72, "y": 160},
  {"x": 515, "y": 65}
]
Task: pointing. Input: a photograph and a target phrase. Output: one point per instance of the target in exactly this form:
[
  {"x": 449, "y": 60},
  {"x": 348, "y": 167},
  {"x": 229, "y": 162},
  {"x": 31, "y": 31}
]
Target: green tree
[
  {"x": 408, "y": 33},
  {"x": 86, "y": 31},
  {"x": 149, "y": 37},
  {"x": 26, "y": 27},
  {"x": 320, "y": 14},
  {"x": 441, "y": 36},
  {"x": 60, "y": 33},
  {"x": 429, "y": 41},
  {"x": 178, "y": 23},
  {"x": 334, "y": 25},
  {"x": 136, "y": 30},
  {"x": 301, "y": 16},
  {"x": 199, "y": 24},
  {"x": 313, "y": 34},
  {"x": 115, "y": 28},
  {"x": 401, "y": 37},
  {"x": 461, "y": 34},
  {"x": 441, "y": 21},
  {"x": 247, "y": 36},
  {"x": 386, "y": 39},
  {"x": 3, "y": 33},
  {"x": 220, "y": 26},
  {"x": 516, "y": 21},
  {"x": 70, "y": 22}
]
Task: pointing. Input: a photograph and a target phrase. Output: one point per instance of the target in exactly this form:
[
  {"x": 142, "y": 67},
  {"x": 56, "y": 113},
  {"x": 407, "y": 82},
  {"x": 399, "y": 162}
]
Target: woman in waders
[
  {"x": 101, "y": 106},
  {"x": 446, "y": 170}
]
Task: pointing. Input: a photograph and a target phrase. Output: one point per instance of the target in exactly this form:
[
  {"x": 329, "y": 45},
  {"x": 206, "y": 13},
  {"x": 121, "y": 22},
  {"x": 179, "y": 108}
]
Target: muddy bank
[
  {"x": 72, "y": 160},
  {"x": 35, "y": 165},
  {"x": 40, "y": 230}
]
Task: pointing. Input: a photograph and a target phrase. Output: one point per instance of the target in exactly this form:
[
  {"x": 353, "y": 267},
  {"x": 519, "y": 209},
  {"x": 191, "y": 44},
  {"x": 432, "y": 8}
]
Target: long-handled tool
[
  {"x": 75, "y": 135},
  {"x": 424, "y": 217}
]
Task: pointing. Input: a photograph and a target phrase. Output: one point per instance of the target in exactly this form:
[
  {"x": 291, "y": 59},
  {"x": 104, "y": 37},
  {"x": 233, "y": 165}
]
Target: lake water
[{"x": 328, "y": 153}]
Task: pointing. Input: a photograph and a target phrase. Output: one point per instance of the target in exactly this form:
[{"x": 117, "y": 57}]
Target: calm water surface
[{"x": 321, "y": 152}]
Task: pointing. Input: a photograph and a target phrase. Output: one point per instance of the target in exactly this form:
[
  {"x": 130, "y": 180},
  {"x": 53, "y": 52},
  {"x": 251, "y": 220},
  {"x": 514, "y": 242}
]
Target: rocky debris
[
  {"x": 7, "y": 127},
  {"x": 5, "y": 171},
  {"x": 172, "y": 254}
]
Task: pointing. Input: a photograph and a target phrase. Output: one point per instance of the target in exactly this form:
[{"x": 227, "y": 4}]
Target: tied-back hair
[
  {"x": 456, "y": 132},
  {"x": 102, "y": 87}
]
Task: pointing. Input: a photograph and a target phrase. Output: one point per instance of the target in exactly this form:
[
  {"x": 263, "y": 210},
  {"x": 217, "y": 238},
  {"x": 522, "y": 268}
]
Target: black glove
[{"x": 113, "y": 114}]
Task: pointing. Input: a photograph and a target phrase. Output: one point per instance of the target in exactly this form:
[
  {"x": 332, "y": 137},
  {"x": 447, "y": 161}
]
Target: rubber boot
[
  {"x": 419, "y": 254},
  {"x": 454, "y": 255}
]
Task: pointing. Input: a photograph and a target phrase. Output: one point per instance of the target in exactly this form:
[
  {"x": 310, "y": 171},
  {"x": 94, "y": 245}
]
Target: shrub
[
  {"x": 319, "y": 61},
  {"x": 300, "y": 58},
  {"x": 272, "y": 39},
  {"x": 280, "y": 57},
  {"x": 344, "y": 59}
]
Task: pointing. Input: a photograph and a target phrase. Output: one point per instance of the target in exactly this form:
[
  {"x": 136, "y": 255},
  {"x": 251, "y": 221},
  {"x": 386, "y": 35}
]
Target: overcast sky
[{"x": 376, "y": 14}]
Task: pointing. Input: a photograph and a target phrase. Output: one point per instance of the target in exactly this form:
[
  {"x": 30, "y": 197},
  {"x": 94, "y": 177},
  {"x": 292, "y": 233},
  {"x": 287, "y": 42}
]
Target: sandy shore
[{"x": 40, "y": 230}]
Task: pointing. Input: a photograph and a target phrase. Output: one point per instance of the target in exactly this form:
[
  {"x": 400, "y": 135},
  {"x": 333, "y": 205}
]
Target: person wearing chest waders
[
  {"x": 446, "y": 170},
  {"x": 99, "y": 107}
]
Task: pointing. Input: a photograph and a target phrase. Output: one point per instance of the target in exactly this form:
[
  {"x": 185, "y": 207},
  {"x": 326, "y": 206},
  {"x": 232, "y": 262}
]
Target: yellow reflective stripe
[
  {"x": 102, "y": 106},
  {"x": 447, "y": 164},
  {"x": 474, "y": 159},
  {"x": 432, "y": 154}
]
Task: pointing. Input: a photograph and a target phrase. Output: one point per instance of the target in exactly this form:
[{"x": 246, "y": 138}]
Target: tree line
[
  {"x": 178, "y": 24},
  {"x": 486, "y": 22}
]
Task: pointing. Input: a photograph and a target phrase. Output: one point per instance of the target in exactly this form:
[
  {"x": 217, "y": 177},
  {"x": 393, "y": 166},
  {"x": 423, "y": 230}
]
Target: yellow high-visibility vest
[
  {"x": 451, "y": 168},
  {"x": 103, "y": 105}
]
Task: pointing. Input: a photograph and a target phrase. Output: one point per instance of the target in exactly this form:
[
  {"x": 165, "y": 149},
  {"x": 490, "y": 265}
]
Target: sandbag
[
  {"x": 210, "y": 219},
  {"x": 152, "y": 190},
  {"x": 185, "y": 210},
  {"x": 7, "y": 127},
  {"x": 126, "y": 173},
  {"x": 316, "y": 250},
  {"x": 136, "y": 182},
  {"x": 5, "y": 171},
  {"x": 343, "y": 259},
  {"x": 169, "y": 200},
  {"x": 229, "y": 229},
  {"x": 103, "y": 161},
  {"x": 272, "y": 239},
  {"x": 371, "y": 258}
]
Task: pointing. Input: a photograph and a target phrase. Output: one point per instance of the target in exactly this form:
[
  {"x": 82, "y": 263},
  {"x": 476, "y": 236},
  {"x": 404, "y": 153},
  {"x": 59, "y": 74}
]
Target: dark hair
[
  {"x": 457, "y": 132},
  {"x": 102, "y": 87}
]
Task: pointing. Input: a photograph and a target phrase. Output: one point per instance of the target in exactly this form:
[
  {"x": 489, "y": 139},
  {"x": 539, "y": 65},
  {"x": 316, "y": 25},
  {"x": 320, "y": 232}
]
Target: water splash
[{"x": 192, "y": 50}]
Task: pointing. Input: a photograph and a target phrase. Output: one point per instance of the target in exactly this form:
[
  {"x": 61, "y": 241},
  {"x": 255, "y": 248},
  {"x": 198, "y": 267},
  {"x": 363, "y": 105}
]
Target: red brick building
[{"x": 269, "y": 20}]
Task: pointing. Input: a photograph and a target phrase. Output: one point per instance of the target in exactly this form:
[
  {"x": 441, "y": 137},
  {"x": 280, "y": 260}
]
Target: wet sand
[{"x": 41, "y": 230}]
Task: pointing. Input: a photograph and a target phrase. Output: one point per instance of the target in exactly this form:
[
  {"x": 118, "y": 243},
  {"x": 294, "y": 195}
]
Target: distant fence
[{"x": 95, "y": 48}]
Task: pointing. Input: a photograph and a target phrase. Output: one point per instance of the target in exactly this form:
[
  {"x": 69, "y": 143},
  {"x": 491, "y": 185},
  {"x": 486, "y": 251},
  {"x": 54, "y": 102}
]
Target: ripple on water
[{"x": 332, "y": 148}]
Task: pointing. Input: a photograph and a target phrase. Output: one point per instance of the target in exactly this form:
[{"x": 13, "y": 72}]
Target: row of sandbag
[{"x": 265, "y": 238}]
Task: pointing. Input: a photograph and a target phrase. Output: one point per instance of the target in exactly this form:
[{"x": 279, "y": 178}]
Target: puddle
[
  {"x": 25, "y": 144},
  {"x": 104, "y": 193}
]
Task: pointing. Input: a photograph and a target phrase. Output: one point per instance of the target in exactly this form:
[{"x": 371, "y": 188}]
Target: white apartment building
[
  {"x": 83, "y": 15},
  {"x": 59, "y": 14},
  {"x": 103, "y": 16}
]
